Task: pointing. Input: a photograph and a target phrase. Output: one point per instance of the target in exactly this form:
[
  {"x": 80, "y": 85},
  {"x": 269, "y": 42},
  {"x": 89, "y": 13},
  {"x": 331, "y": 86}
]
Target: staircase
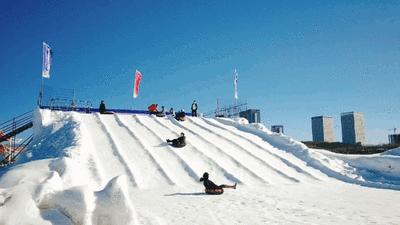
[{"x": 10, "y": 150}]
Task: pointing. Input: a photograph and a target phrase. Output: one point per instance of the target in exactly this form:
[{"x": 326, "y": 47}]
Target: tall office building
[
  {"x": 252, "y": 115},
  {"x": 353, "y": 128},
  {"x": 394, "y": 139},
  {"x": 277, "y": 129},
  {"x": 322, "y": 128}
]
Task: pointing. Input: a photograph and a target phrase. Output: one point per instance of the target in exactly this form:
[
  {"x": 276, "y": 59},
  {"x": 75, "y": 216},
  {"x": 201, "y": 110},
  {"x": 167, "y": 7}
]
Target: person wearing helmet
[
  {"x": 178, "y": 142},
  {"x": 212, "y": 188}
]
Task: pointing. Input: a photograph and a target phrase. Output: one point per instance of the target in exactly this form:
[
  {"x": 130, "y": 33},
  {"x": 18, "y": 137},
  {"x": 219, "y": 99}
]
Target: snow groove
[
  {"x": 202, "y": 162},
  {"x": 247, "y": 151},
  {"x": 185, "y": 165},
  {"x": 95, "y": 165},
  {"x": 98, "y": 139},
  {"x": 116, "y": 151},
  {"x": 146, "y": 151},
  {"x": 222, "y": 153},
  {"x": 300, "y": 167}
]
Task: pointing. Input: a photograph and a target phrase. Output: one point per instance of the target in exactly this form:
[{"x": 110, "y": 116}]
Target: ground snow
[{"x": 116, "y": 169}]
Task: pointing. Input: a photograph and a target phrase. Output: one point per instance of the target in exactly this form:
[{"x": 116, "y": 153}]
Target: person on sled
[
  {"x": 172, "y": 112},
  {"x": 212, "y": 188},
  {"x": 180, "y": 116},
  {"x": 153, "y": 109},
  {"x": 161, "y": 113},
  {"x": 178, "y": 142}
]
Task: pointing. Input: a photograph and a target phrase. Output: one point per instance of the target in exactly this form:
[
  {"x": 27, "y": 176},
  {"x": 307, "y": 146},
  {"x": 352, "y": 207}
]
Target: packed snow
[{"x": 117, "y": 169}]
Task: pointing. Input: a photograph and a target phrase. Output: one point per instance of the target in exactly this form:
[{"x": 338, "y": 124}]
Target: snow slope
[{"x": 117, "y": 169}]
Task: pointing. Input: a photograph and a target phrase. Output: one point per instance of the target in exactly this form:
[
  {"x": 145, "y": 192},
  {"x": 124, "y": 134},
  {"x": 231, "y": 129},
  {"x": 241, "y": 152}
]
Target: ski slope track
[{"x": 118, "y": 169}]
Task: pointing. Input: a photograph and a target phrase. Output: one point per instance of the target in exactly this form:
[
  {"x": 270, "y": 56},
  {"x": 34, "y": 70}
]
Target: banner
[
  {"x": 46, "y": 60},
  {"x": 235, "y": 83},
  {"x": 138, "y": 78}
]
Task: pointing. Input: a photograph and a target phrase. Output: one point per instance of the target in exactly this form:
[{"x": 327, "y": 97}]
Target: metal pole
[{"x": 41, "y": 93}]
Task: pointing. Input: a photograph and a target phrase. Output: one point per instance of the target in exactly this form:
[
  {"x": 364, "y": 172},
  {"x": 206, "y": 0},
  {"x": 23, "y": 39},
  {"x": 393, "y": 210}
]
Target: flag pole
[{"x": 41, "y": 93}]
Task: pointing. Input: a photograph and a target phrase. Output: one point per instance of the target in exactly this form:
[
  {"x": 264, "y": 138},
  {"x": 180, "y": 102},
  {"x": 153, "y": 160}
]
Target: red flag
[{"x": 138, "y": 78}]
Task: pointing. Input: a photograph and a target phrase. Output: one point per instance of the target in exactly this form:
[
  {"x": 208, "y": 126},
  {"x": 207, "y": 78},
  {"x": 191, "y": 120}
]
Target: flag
[
  {"x": 235, "y": 83},
  {"x": 46, "y": 60},
  {"x": 138, "y": 78}
]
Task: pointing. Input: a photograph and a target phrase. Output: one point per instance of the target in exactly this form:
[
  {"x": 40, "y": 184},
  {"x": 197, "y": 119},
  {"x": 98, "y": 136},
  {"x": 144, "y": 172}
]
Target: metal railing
[
  {"x": 15, "y": 125},
  {"x": 12, "y": 154}
]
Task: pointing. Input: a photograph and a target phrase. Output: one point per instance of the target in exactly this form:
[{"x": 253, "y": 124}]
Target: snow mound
[
  {"x": 394, "y": 152},
  {"x": 95, "y": 169},
  {"x": 113, "y": 205}
]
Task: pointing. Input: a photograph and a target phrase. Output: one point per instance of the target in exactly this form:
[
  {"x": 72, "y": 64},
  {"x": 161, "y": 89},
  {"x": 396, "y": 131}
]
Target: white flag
[
  {"x": 235, "y": 83},
  {"x": 46, "y": 60}
]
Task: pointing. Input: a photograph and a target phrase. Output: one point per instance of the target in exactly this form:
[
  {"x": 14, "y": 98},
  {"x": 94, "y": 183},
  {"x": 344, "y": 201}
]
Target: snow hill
[{"x": 117, "y": 169}]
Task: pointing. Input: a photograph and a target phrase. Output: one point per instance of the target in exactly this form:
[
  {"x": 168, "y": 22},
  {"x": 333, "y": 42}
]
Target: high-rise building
[
  {"x": 322, "y": 128},
  {"x": 394, "y": 139},
  {"x": 353, "y": 128},
  {"x": 252, "y": 115},
  {"x": 277, "y": 129}
]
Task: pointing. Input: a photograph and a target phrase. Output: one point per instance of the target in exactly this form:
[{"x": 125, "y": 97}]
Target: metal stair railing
[
  {"x": 15, "y": 126},
  {"x": 12, "y": 156}
]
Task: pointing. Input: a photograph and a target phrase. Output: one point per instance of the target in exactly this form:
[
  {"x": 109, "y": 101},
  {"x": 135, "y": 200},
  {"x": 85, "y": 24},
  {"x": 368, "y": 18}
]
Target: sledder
[
  {"x": 153, "y": 109},
  {"x": 213, "y": 189},
  {"x": 161, "y": 113},
  {"x": 178, "y": 142},
  {"x": 180, "y": 116}
]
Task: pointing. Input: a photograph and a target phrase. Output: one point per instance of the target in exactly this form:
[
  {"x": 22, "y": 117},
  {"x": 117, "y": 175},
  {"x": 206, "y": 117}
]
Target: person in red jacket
[{"x": 153, "y": 109}]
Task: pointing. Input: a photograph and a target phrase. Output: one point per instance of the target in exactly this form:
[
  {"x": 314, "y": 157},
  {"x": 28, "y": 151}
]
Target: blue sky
[{"x": 296, "y": 59}]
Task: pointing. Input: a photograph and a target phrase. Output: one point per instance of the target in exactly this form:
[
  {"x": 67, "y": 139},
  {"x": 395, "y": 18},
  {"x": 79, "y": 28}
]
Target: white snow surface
[{"x": 117, "y": 169}]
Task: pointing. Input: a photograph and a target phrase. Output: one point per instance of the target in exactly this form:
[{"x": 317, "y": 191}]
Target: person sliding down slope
[
  {"x": 178, "y": 142},
  {"x": 212, "y": 188}
]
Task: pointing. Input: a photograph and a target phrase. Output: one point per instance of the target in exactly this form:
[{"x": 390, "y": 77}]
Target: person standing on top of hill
[
  {"x": 212, "y": 188},
  {"x": 102, "y": 107},
  {"x": 194, "y": 108}
]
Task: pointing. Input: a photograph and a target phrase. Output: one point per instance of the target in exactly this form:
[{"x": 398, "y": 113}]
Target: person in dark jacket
[
  {"x": 212, "y": 188},
  {"x": 161, "y": 113},
  {"x": 181, "y": 116},
  {"x": 178, "y": 142},
  {"x": 102, "y": 107},
  {"x": 172, "y": 112},
  {"x": 194, "y": 108}
]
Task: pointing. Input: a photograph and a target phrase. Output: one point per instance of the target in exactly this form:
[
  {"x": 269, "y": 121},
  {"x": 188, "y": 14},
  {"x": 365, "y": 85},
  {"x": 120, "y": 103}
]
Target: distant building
[
  {"x": 394, "y": 139},
  {"x": 322, "y": 128},
  {"x": 277, "y": 129},
  {"x": 353, "y": 128},
  {"x": 252, "y": 115}
]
